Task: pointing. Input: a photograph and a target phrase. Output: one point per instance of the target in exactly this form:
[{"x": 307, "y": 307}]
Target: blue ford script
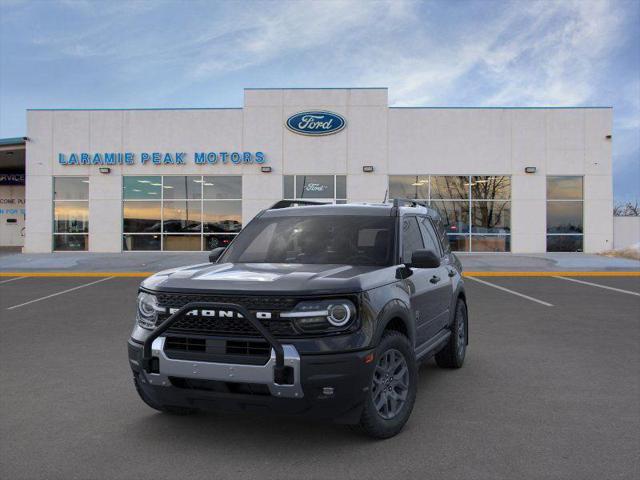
[{"x": 316, "y": 123}]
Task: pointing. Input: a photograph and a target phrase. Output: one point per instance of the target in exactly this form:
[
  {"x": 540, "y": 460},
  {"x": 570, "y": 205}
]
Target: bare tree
[
  {"x": 489, "y": 215},
  {"x": 628, "y": 209}
]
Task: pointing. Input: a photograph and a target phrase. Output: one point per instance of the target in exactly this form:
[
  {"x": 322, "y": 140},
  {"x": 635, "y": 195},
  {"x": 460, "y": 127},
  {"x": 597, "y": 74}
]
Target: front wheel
[
  {"x": 452, "y": 355},
  {"x": 393, "y": 387}
]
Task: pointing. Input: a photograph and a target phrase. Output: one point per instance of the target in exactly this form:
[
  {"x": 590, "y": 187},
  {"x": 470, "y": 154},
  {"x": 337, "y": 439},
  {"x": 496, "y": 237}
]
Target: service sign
[
  {"x": 315, "y": 123},
  {"x": 11, "y": 178}
]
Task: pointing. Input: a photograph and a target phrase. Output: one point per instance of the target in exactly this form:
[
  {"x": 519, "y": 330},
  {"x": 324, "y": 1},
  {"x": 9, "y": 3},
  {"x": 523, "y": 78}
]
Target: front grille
[
  {"x": 177, "y": 300},
  {"x": 228, "y": 326},
  {"x": 196, "y": 324},
  {"x": 186, "y": 344},
  {"x": 248, "y": 348},
  {"x": 246, "y": 352}
]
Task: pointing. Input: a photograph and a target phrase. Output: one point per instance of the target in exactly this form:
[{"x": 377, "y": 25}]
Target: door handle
[
  {"x": 435, "y": 279},
  {"x": 452, "y": 273}
]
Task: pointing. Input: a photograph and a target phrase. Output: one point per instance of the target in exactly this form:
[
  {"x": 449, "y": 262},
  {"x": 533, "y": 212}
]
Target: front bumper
[
  {"x": 229, "y": 372},
  {"x": 328, "y": 386}
]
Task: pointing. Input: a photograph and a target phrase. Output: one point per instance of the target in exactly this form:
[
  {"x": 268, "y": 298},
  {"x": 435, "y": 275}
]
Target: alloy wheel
[
  {"x": 390, "y": 385},
  {"x": 461, "y": 333}
]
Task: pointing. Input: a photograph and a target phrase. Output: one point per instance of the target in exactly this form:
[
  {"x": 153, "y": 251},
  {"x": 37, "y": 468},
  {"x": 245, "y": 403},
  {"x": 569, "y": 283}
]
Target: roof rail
[
  {"x": 295, "y": 203},
  {"x": 405, "y": 202}
]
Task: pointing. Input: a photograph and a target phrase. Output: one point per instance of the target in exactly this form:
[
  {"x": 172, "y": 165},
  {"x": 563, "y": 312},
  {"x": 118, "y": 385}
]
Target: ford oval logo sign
[{"x": 316, "y": 123}]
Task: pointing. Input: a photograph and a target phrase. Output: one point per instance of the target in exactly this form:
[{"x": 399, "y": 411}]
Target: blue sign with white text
[{"x": 316, "y": 123}]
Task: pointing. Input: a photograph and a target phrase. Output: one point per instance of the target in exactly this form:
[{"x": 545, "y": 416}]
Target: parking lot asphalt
[{"x": 550, "y": 389}]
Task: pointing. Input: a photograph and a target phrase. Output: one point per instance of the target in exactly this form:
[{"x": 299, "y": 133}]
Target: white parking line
[
  {"x": 629, "y": 292},
  {"x": 59, "y": 293},
  {"x": 12, "y": 279},
  {"x": 546, "y": 304}
]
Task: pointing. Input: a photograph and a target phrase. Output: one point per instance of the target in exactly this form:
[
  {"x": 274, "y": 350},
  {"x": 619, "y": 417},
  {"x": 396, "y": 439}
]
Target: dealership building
[{"x": 504, "y": 179}]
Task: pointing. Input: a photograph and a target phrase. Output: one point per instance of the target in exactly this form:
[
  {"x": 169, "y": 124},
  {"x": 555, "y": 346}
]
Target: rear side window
[
  {"x": 411, "y": 238},
  {"x": 442, "y": 235},
  {"x": 431, "y": 241}
]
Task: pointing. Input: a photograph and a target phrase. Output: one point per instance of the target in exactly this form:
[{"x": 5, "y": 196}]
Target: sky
[{"x": 136, "y": 54}]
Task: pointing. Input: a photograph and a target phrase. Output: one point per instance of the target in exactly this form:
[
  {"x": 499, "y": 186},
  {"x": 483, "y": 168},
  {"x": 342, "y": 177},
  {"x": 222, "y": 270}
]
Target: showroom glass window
[
  {"x": 180, "y": 213},
  {"x": 564, "y": 214},
  {"x": 475, "y": 209},
  {"x": 70, "y": 213},
  {"x": 328, "y": 188}
]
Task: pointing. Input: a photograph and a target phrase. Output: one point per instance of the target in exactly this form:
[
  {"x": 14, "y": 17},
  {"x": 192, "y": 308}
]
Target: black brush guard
[{"x": 279, "y": 375}]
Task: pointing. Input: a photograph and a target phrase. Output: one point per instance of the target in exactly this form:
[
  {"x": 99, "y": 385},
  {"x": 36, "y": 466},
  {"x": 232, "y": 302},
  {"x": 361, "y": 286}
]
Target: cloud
[
  {"x": 100, "y": 9},
  {"x": 271, "y": 31},
  {"x": 557, "y": 59},
  {"x": 537, "y": 53},
  {"x": 630, "y": 119},
  {"x": 530, "y": 53}
]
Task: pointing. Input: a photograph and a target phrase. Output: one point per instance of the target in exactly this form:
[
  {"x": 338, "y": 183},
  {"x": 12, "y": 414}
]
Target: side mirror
[
  {"x": 214, "y": 254},
  {"x": 424, "y": 259}
]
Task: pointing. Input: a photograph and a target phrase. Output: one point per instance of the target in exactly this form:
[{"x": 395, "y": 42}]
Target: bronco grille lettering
[{"x": 223, "y": 313}]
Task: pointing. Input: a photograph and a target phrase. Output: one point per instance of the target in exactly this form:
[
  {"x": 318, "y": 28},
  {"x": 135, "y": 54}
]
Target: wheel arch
[
  {"x": 395, "y": 316},
  {"x": 463, "y": 296}
]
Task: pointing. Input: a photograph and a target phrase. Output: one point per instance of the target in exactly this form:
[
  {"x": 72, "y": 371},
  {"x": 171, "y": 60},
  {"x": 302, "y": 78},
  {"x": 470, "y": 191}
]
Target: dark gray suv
[{"x": 323, "y": 311}]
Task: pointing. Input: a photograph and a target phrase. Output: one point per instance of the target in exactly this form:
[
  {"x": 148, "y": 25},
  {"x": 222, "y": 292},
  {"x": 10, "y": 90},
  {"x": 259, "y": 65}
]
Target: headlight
[
  {"x": 148, "y": 308},
  {"x": 323, "y": 315},
  {"x": 339, "y": 314}
]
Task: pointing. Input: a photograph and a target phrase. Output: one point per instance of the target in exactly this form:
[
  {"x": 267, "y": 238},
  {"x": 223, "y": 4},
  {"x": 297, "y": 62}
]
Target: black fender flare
[{"x": 395, "y": 309}]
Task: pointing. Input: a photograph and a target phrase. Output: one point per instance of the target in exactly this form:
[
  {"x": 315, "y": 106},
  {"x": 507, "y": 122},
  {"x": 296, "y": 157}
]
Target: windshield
[{"x": 322, "y": 239}]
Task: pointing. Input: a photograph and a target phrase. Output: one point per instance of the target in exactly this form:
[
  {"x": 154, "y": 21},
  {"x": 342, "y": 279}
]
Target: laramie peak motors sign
[
  {"x": 315, "y": 123},
  {"x": 161, "y": 158}
]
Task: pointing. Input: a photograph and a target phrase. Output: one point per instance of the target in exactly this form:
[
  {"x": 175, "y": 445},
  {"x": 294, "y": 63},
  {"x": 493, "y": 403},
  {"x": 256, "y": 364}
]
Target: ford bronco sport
[{"x": 323, "y": 311}]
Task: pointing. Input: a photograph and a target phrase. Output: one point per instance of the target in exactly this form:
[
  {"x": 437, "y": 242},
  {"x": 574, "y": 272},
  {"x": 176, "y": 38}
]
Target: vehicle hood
[{"x": 270, "y": 278}]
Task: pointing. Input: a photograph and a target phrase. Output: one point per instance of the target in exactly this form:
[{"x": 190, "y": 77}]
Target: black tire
[
  {"x": 161, "y": 408},
  {"x": 452, "y": 355},
  {"x": 372, "y": 422}
]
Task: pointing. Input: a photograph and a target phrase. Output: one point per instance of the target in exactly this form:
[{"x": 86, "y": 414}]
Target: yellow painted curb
[
  {"x": 75, "y": 274},
  {"x": 551, "y": 274},
  {"x": 466, "y": 274}
]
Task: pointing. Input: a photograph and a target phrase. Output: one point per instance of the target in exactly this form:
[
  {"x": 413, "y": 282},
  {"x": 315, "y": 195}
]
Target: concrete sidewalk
[
  {"x": 154, "y": 261},
  {"x": 545, "y": 262},
  {"x": 98, "y": 262}
]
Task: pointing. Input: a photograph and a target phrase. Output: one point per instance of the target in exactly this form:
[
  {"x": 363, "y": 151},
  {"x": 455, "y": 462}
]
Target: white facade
[
  {"x": 395, "y": 141},
  {"x": 626, "y": 232}
]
